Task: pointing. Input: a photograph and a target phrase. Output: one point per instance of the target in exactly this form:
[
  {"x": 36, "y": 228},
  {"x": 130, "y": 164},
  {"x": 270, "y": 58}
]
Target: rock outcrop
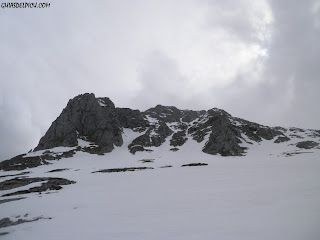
[
  {"x": 224, "y": 136},
  {"x": 178, "y": 138},
  {"x": 132, "y": 119},
  {"x": 47, "y": 184},
  {"x": 154, "y": 137},
  {"x": 22, "y": 162},
  {"x": 307, "y": 144},
  {"x": 98, "y": 123},
  {"x": 85, "y": 117}
]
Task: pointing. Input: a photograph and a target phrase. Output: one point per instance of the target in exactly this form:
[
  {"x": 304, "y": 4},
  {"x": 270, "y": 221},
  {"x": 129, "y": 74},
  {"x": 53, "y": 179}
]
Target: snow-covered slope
[{"x": 170, "y": 188}]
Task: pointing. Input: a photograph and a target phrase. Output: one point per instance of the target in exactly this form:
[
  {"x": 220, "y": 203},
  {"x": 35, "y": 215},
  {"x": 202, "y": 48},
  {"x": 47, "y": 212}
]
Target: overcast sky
[{"x": 259, "y": 60}]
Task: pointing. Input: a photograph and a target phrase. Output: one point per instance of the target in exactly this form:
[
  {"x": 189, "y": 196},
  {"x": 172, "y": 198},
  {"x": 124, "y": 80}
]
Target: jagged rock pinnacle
[{"x": 88, "y": 117}]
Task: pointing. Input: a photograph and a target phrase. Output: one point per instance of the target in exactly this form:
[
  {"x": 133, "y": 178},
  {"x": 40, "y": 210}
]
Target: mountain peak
[
  {"x": 85, "y": 116},
  {"x": 98, "y": 121},
  {"x": 95, "y": 125}
]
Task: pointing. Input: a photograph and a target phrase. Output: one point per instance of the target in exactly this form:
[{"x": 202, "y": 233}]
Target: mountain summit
[
  {"x": 99, "y": 122},
  {"x": 85, "y": 117},
  {"x": 94, "y": 125}
]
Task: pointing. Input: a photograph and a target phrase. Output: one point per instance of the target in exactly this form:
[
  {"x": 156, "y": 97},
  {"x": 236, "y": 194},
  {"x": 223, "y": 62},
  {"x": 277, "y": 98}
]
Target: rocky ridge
[{"x": 100, "y": 125}]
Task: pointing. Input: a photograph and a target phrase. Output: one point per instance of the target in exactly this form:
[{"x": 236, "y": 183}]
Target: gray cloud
[
  {"x": 288, "y": 91},
  {"x": 295, "y": 57},
  {"x": 256, "y": 60},
  {"x": 161, "y": 81}
]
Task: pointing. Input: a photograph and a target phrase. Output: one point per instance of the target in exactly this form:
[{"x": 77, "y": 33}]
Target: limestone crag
[
  {"x": 172, "y": 114},
  {"x": 153, "y": 137},
  {"x": 87, "y": 117},
  {"x": 307, "y": 144},
  {"x": 133, "y": 119},
  {"x": 98, "y": 121},
  {"x": 224, "y": 137},
  {"x": 178, "y": 138},
  {"x": 96, "y": 126}
]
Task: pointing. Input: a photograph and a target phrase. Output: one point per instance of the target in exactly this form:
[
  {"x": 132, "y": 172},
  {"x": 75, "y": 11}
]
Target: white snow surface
[
  {"x": 101, "y": 102},
  {"x": 263, "y": 195}
]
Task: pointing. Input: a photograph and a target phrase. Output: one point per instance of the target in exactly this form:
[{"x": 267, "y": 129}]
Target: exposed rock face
[
  {"x": 130, "y": 169},
  {"x": 256, "y": 132},
  {"x": 21, "y": 162},
  {"x": 282, "y": 139},
  {"x": 173, "y": 114},
  {"x": 166, "y": 114},
  {"x": 23, "y": 181},
  {"x": 189, "y": 115},
  {"x": 224, "y": 137},
  {"x": 100, "y": 125},
  {"x": 178, "y": 138},
  {"x": 88, "y": 117},
  {"x": 132, "y": 119},
  {"x": 267, "y": 133},
  {"x": 6, "y": 222},
  {"x": 307, "y": 144},
  {"x": 97, "y": 120},
  {"x": 154, "y": 137},
  {"x": 194, "y": 164},
  {"x": 50, "y": 184}
]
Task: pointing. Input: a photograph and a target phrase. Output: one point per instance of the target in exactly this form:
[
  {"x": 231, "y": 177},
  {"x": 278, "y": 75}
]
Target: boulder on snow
[
  {"x": 282, "y": 139},
  {"x": 307, "y": 144}
]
